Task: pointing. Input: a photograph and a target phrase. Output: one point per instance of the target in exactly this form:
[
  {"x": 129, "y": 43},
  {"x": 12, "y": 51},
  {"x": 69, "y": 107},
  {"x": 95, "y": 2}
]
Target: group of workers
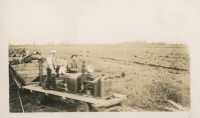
[{"x": 65, "y": 67}]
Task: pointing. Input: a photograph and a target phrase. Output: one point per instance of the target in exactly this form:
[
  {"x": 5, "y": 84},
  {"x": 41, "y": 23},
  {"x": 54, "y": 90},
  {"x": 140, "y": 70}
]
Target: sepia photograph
[{"x": 99, "y": 55}]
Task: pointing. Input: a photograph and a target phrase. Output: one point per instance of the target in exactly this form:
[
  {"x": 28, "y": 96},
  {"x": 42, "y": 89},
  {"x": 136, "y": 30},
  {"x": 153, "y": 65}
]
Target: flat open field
[{"x": 153, "y": 74}]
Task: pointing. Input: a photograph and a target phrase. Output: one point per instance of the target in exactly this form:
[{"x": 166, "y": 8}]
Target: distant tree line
[
  {"x": 127, "y": 44},
  {"x": 144, "y": 43}
]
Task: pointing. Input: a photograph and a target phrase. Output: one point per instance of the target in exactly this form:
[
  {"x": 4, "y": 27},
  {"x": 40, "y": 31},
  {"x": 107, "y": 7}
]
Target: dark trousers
[{"x": 50, "y": 79}]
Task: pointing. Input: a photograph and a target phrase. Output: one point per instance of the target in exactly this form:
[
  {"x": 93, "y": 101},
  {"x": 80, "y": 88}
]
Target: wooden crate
[
  {"x": 106, "y": 88},
  {"x": 30, "y": 71},
  {"x": 96, "y": 87}
]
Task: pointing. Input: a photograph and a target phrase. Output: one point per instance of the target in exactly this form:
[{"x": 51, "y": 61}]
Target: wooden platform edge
[{"x": 65, "y": 95}]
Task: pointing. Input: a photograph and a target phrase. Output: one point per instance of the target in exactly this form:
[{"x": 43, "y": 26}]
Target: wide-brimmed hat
[{"x": 74, "y": 55}]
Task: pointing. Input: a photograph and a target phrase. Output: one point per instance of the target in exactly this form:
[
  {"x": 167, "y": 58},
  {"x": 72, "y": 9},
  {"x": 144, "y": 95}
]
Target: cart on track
[{"x": 97, "y": 94}]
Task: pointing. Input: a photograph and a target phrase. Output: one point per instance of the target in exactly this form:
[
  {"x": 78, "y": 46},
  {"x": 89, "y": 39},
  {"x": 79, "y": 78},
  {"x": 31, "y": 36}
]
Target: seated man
[{"x": 72, "y": 66}]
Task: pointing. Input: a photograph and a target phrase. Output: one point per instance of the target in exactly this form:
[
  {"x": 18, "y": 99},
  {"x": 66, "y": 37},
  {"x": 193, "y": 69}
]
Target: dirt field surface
[{"x": 154, "y": 75}]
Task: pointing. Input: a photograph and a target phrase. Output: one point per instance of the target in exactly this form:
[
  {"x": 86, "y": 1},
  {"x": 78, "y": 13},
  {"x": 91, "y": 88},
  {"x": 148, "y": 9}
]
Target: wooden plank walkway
[{"x": 89, "y": 99}]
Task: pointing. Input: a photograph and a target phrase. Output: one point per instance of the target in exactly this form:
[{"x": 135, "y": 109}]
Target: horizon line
[{"x": 66, "y": 43}]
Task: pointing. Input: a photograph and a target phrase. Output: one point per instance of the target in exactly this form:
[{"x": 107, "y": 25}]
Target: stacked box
[
  {"x": 106, "y": 88},
  {"x": 95, "y": 87},
  {"x": 28, "y": 72}
]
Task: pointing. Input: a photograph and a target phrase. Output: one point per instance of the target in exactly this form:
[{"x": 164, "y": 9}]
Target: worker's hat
[
  {"x": 53, "y": 51},
  {"x": 74, "y": 55}
]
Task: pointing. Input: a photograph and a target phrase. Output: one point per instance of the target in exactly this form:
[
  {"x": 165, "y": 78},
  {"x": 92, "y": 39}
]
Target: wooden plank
[
  {"x": 27, "y": 72},
  {"x": 171, "y": 109},
  {"x": 44, "y": 65},
  {"x": 18, "y": 65},
  {"x": 110, "y": 102},
  {"x": 66, "y": 95},
  {"x": 36, "y": 69},
  {"x": 26, "y": 65},
  {"x": 25, "y": 68},
  {"x": 21, "y": 65},
  {"x": 32, "y": 75},
  {"x": 44, "y": 70},
  {"x": 31, "y": 68},
  {"x": 17, "y": 68},
  {"x": 32, "y": 65},
  {"x": 177, "y": 105},
  {"x": 14, "y": 66}
]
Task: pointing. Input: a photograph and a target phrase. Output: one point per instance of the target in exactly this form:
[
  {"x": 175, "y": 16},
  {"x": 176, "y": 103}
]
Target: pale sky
[{"x": 99, "y": 21}]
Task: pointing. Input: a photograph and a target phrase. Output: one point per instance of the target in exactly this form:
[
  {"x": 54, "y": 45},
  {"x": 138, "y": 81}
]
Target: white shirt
[
  {"x": 62, "y": 70},
  {"x": 50, "y": 63}
]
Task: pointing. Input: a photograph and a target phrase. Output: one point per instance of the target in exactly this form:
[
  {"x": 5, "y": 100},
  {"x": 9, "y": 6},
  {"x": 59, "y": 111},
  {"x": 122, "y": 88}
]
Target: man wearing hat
[
  {"x": 51, "y": 72},
  {"x": 72, "y": 66}
]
